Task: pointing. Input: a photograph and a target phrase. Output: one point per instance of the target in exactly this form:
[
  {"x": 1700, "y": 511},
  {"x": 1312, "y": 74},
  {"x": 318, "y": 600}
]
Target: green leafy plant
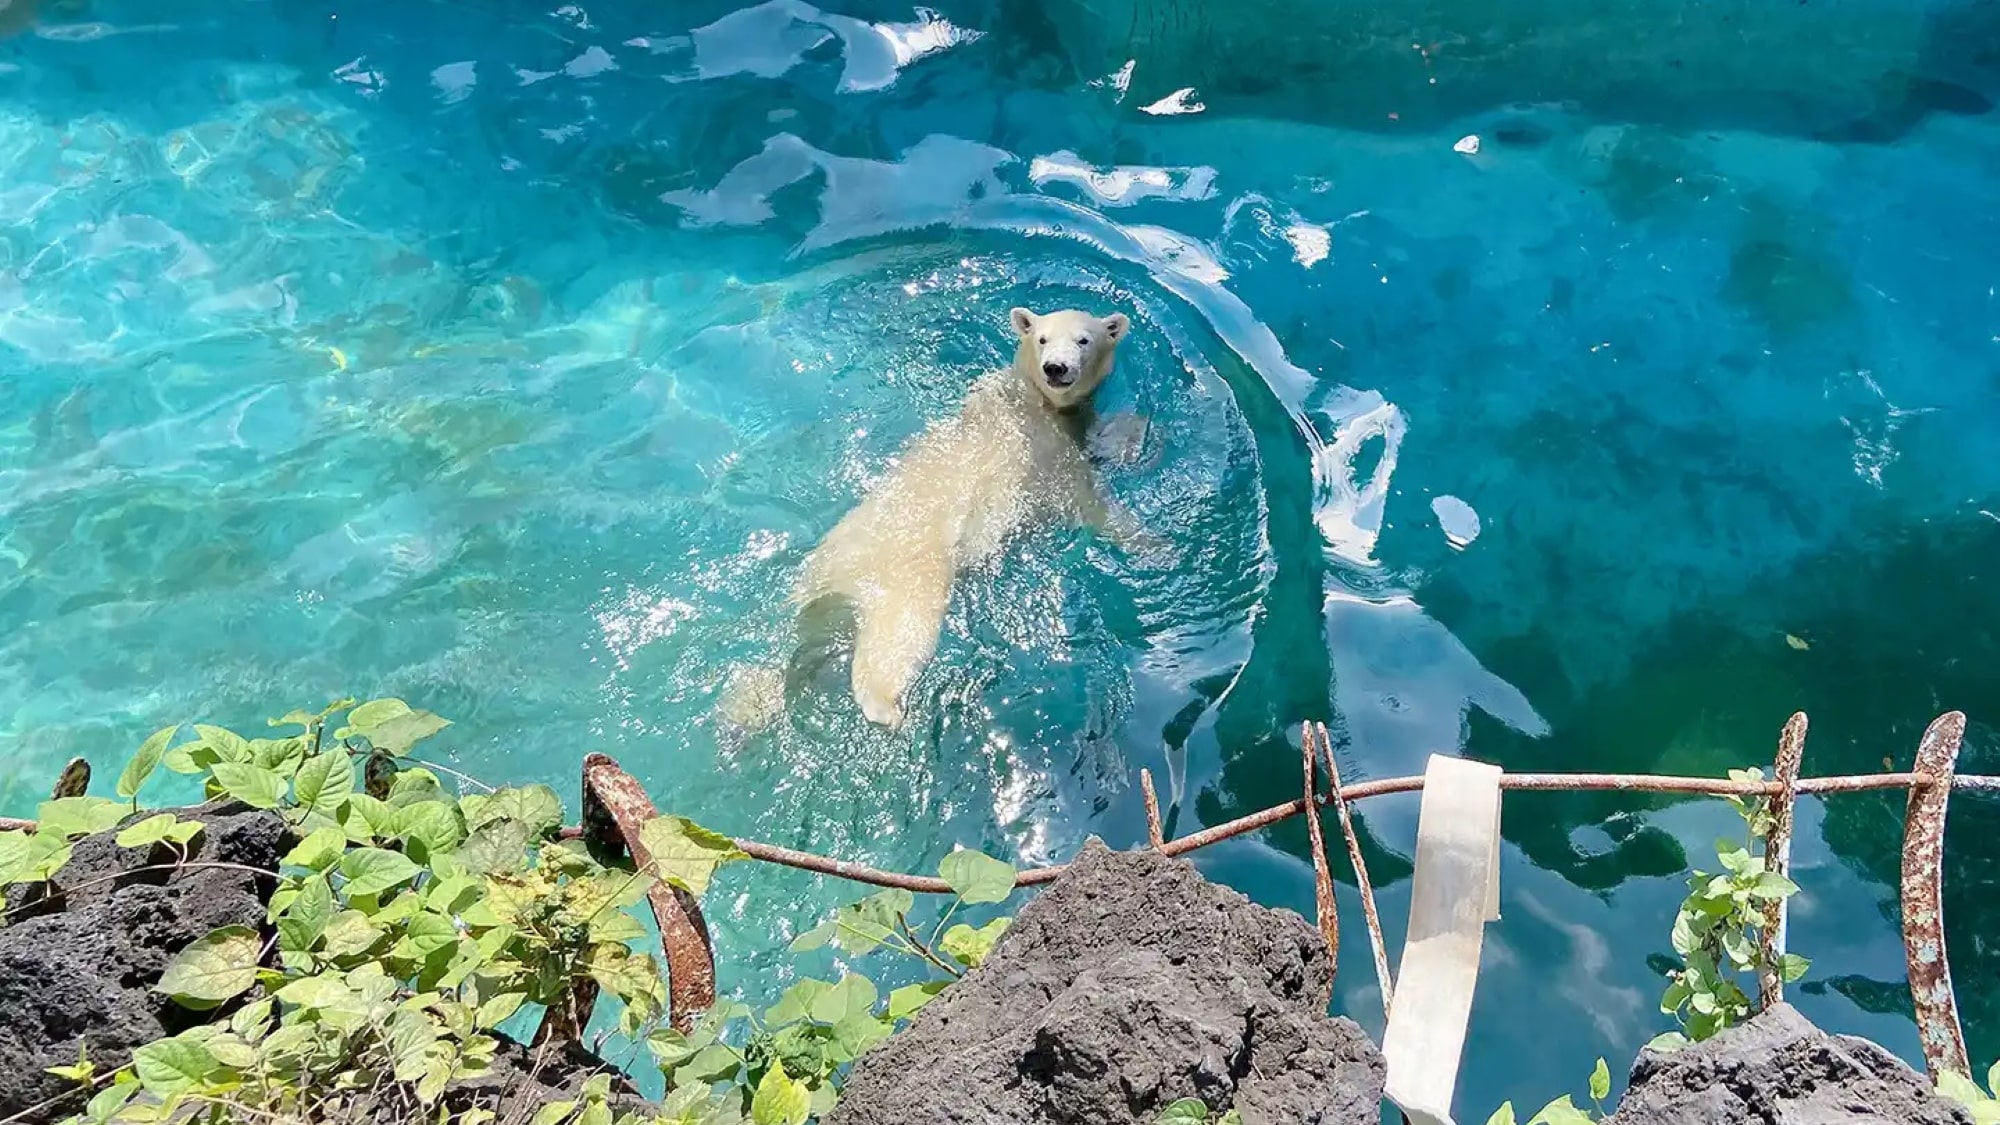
[
  {"x": 1717, "y": 933},
  {"x": 787, "y": 1063},
  {"x": 407, "y": 924},
  {"x": 1984, "y": 1105},
  {"x": 1563, "y": 1110}
]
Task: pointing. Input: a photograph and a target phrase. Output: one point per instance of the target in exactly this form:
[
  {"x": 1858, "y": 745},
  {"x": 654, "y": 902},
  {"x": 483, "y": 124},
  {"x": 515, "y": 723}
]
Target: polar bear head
[{"x": 1066, "y": 355}]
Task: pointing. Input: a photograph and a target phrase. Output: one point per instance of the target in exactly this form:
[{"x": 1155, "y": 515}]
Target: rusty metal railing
[
  {"x": 615, "y": 807},
  {"x": 1929, "y": 786}
]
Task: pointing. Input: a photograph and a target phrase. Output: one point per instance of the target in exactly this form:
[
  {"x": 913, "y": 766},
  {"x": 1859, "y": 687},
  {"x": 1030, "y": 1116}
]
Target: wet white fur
[{"x": 1011, "y": 456}]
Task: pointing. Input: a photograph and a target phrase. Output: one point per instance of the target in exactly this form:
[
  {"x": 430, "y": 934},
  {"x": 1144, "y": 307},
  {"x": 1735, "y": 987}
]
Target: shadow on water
[{"x": 1854, "y": 70}]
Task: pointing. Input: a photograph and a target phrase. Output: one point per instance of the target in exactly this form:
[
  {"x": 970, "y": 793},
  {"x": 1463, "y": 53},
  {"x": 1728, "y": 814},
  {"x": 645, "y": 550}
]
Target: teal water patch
[{"x": 510, "y": 360}]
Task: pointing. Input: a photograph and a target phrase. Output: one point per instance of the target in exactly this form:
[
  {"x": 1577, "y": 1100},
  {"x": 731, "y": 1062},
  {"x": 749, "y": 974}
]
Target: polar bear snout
[{"x": 1058, "y": 373}]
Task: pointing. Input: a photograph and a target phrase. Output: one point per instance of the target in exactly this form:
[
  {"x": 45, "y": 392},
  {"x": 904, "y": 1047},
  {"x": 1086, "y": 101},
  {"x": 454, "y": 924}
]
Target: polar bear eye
[
  {"x": 1083, "y": 341},
  {"x": 1043, "y": 340}
]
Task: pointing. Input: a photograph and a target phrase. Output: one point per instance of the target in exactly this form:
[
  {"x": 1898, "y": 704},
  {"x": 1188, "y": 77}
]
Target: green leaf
[
  {"x": 318, "y": 851},
  {"x": 71, "y": 817},
  {"x": 14, "y": 852},
  {"x": 350, "y": 934},
  {"x": 554, "y": 1113},
  {"x": 427, "y": 932},
  {"x": 853, "y": 994},
  {"x": 797, "y": 1002},
  {"x": 80, "y": 1071},
  {"x": 172, "y": 1066},
  {"x": 397, "y": 735},
  {"x": 1502, "y": 1116},
  {"x": 304, "y": 719},
  {"x": 615, "y": 926},
  {"x": 970, "y": 947},
  {"x": 145, "y": 762},
  {"x": 232, "y": 1052},
  {"x": 501, "y": 846},
  {"x": 43, "y": 854},
  {"x": 1771, "y": 885},
  {"x": 227, "y": 744},
  {"x": 1993, "y": 1079},
  {"x": 366, "y": 819},
  {"x": 1560, "y": 1112},
  {"x": 868, "y": 923},
  {"x": 410, "y": 1036},
  {"x": 370, "y": 871},
  {"x": 779, "y": 1100},
  {"x": 302, "y": 923},
  {"x": 373, "y": 713},
  {"x": 214, "y": 969},
  {"x": 324, "y": 781},
  {"x": 855, "y": 1033},
  {"x": 433, "y": 825},
  {"x": 499, "y": 1009},
  {"x": 814, "y": 938},
  {"x": 1233, "y": 1117},
  {"x": 316, "y": 993},
  {"x": 253, "y": 785},
  {"x": 1667, "y": 1041},
  {"x": 909, "y": 999},
  {"x": 715, "y": 1063},
  {"x": 977, "y": 877},
  {"x": 685, "y": 854},
  {"x": 1959, "y": 1088},
  {"x": 1600, "y": 1082},
  {"x": 536, "y": 806},
  {"x": 146, "y": 833},
  {"x": 1791, "y": 967},
  {"x": 1186, "y": 1111},
  {"x": 184, "y": 832},
  {"x": 282, "y": 756},
  {"x": 111, "y": 1099}
]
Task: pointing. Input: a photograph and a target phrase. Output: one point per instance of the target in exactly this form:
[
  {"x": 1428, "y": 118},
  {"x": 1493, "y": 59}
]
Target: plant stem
[
  {"x": 938, "y": 930},
  {"x": 923, "y": 950}
]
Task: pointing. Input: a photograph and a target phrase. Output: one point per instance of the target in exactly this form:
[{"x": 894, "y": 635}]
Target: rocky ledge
[
  {"x": 1129, "y": 984},
  {"x": 1778, "y": 1069}
]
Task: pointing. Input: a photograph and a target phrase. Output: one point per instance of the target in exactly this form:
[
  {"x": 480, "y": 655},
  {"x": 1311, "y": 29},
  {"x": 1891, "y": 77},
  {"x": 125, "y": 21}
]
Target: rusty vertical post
[
  {"x": 1329, "y": 913},
  {"x": 615, "y": 808},
  {"x": 1361, "y": 880},
  {"x": 1778, "y": 858},
  {"x": 1155, "y": 835},
  {"x": 1922, "y": 894}
]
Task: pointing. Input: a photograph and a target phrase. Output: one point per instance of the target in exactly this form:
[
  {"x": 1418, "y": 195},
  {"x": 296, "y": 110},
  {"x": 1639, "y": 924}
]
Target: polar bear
[{"x": 1013, "y": 456}]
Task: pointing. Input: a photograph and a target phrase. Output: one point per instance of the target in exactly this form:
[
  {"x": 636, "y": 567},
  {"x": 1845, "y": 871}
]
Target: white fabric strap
[{"x": 1454, "y": 893}]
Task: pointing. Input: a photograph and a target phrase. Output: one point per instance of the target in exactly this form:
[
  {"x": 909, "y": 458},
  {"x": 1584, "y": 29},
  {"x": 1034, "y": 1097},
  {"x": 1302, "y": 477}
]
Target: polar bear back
[{"x": 962, "y": 489}]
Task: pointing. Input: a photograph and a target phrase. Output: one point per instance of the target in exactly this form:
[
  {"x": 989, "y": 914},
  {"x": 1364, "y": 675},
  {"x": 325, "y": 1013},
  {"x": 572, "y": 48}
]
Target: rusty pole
[
  {"x": 615, "y": 808},
  {"x": 1155, "y": 835},
  {"x": 1328, "y": 911},
  {"x": 1376, "y": 945},
  {"x": 1778, "y": 858},
  {"x": 1938, "y": 1029}
]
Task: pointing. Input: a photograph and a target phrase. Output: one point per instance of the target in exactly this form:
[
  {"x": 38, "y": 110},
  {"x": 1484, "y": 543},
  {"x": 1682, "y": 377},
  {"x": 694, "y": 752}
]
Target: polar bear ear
[
  {"x": 1115, "y": 326},
  {"x": 1024, "y": 321}
]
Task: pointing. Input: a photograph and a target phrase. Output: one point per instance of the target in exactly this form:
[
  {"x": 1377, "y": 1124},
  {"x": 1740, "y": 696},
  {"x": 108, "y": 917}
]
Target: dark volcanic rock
[
  {"x": 77, "y": 965},
  {"x": 1130, "y": 983},
  {"x": 1778, "y": 1069}
]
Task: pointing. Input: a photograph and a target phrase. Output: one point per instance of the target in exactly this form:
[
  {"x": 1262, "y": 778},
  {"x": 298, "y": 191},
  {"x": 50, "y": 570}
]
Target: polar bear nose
[{"x": 1055, "y": 370}]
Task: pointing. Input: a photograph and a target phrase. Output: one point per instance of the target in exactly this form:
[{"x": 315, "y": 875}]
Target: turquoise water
[{"x": 508, "y": 360}]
